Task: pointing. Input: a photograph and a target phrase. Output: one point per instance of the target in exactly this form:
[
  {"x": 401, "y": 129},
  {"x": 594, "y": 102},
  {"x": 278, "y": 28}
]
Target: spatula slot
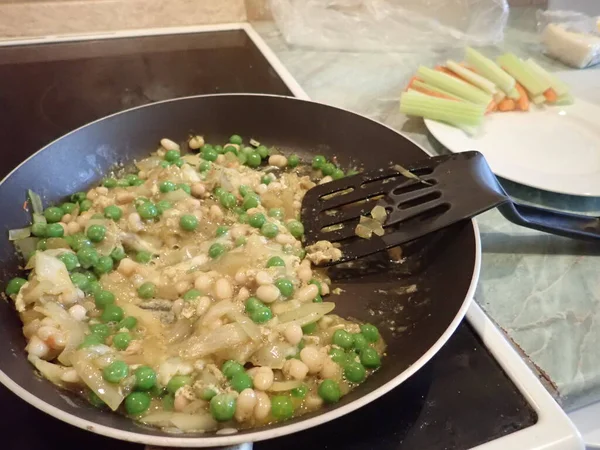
[
  {"x": 415, "y": 186},
  {"x": 421, "y": 200}
]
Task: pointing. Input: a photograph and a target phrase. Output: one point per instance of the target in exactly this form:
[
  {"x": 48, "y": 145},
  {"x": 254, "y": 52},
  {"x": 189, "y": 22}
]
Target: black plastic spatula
[{"x": 448, "y": 189}]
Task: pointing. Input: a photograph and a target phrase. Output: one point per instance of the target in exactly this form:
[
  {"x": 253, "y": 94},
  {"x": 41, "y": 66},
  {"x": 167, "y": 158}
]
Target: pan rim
[{"x": 235, "y": 439}]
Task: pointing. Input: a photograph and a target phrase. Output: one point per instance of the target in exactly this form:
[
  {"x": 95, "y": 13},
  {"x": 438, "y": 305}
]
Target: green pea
[
  {"x": 360, "y": 342},
  {"x": 337, "y": 174},
  {"x": 282, "y": 407},
  {"x": 231, "y": 367},
  {"x": 85, "y": 205},
  {"x": 253, "y": 159},
  {"x": 327, "y": 169},
  {"x": 207, "y": 394},
  {"x": 285, "y": 286},
  {"x": 168, "y": 402},
  {"x": 242, "y": 158},
  {"x": 243, "y": 218},
  {"x": 68, "y": 207},
  {"x": 216, "y": 250},
  {"x": 218, "y": 191},
  {"x": 370, "y": 332},
  {"x": 318, "y": 161},
  {"x": 53, "y": 214},
  {"x": 250, "y": 201},
  {"x": 188, "y": 222},
  {"x": 192, "y": 294},
  {"x": 69, "y": 260},
  {"x": 309, "y": 328},
  {"x": 220, "y": 150},
  {"x": 269, "y": 230},
  {"x": 370, "y": 358},
  {"x": 295, "y": 228},
  {"x": 96, "y": 233},
  {"x": 317, "y": 283},
  {"x": 244, "y": 190},
  {"x": 241, "y": 381},
  {"x": 185, "y": 188},
  {"x": 228, "y": 200},
  {"x": 318, "y": 299},
  {"x": 113, "y": 212},
  {"x": 91, "y": 340},
  {"x": 101, "y": 330},
  {"x": 355, "y": 372},
  {"x": 300, "y": 391},
  {"x": 262, "y": 151},
  {"x": 204, "y": 166},
  {"x": 80, "y": 241},
  {"x": 338, "y": 355},
  {"x": 128, "y": 322},
  {"x": 115, "y": 371},
  {"x": 221, "y": 230},
  {"x": 118, "y": 254},
  {"x": 293, "y": 161},
  {"x": 122, "y": 183},
  {"x": 253, "y": 304},
  {"x": 172, "y": 155},
  {"x": 104, "y": 265},
  {"x": 42, "y": 245},
  {"x": 109, "y": 183},
  {"x": 132, "y": 179},
  {"x": 167, "y": 186},
  {"x": 222, "y": 407},
  {"x": 236, "y": 139},
  {"x": 329, "y": 391},
  {"x": 78, "y": 197},
  {"x": 121, "y": 340},
  {"x": 178, "y": 381},
  {"x": 343, "y": 339},
  {"x": 136, "y": 403},
  {"x": 209, "y": 153},
  {"x": 257, "y": 220},
  {"x": 276, "y": 213},
  {"x": 143, "y": 257},
  {"x": 79, "y": 280},
  {"x": 147, "y": 210},
  {"x": 147, "y": 290},
  {"x": 88, "y": 256},
  {"x": 91, "y": 276},
  {"x": 162, "y": 206},
  {"x": 95, "y": 400},
  {"x": 261, "y": 315},
  {"x": 39, "y": 229},
  {"x": 112, "y": 313},
  {"x": 93, "y": 288},
  {"x": 275, "y": 261},
  {"x": 352, "y": 172},
  {"x": 104, "y": 298},
  {"x": 14, "y": 286}
]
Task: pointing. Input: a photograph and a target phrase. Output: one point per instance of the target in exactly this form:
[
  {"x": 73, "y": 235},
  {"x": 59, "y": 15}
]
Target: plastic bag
[
  {"x": 390, "y": 25},
  {"x": 570, "y": 37}
]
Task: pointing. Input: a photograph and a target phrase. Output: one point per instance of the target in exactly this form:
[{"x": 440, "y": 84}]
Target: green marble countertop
[{"x": 542, "y": 290}]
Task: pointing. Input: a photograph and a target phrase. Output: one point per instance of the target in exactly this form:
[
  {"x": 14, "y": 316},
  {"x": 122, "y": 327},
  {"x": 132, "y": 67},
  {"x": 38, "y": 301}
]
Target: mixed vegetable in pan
[{"x": 181, "y": 294}]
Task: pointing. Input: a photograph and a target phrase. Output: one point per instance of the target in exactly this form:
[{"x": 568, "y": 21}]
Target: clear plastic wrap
[
  {"x": 570, "y": 37},
  {"x": 390, "y": 25}
]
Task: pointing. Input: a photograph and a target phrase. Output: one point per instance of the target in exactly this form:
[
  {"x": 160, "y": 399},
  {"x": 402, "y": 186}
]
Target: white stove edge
[{"x": 554, "y": 430}]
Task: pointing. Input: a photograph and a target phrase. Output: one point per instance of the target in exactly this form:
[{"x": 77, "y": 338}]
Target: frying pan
[{"x": 443, "y": 268}]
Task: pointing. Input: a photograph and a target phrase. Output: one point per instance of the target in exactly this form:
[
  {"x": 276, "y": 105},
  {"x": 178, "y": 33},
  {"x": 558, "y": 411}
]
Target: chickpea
[{"x": 313, "y": 358}]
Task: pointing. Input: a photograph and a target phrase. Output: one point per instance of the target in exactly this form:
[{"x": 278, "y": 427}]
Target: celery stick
[
  {"x": 499, "y": 96},
  {"x": 420, "y": 84},
  {"x": 454, "y": 86},
  {"x": 463, "y": 113},
  {"x": 488, "y": 69},
  {"x": 476, "y": 80},
  {"x": 538, "y": 99},
  {"x": 560, "y": 87},
  {"x": 517, "y": 68},
  {"x": 566, "y": 99},
  {"x": 514, "y": 94}
]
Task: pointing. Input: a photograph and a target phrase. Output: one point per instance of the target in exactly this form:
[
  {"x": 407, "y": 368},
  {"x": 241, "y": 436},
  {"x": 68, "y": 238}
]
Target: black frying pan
[{"x": 444, "y": 266}]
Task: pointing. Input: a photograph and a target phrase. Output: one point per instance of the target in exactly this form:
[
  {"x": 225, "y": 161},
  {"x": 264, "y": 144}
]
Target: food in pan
[{"x": 181, "y": 295}]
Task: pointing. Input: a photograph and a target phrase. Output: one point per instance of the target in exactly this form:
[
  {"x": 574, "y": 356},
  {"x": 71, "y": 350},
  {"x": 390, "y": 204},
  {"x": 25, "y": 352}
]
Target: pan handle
[{"x": 554, "y": 222}]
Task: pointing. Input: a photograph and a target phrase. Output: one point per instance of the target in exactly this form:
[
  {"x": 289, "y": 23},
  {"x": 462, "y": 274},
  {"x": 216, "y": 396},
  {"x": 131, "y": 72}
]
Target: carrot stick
[
  {"x": 493, "y": 106},
  {"x": 410, "y": 82},
  {"x": 507, "y": 104},
  {"x": 550, "y": 95},
  {"x": 426, "y": 91},
  {"x": 447, "y": 72},
  {"x": 523, "y": 102}
]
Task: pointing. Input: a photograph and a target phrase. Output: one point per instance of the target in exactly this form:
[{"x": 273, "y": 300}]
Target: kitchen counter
[{"x": 542, "y": 290}]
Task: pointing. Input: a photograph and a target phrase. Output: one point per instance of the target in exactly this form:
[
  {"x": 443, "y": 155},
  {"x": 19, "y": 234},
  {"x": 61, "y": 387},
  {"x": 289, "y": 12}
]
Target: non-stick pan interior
[{"x": 410, "y": 322}]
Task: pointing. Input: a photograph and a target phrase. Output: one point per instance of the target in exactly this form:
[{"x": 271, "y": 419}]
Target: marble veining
[{"x": 542, "y": 290}]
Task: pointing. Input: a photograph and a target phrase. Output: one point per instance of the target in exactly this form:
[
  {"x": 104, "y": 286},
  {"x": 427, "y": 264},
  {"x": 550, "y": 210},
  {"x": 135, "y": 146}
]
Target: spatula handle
[{"x": 555, "y": 222}]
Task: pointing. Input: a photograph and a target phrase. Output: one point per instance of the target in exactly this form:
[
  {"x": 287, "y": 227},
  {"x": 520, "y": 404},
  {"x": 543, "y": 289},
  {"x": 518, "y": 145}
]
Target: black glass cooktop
[{"x": 461, "y": 399}]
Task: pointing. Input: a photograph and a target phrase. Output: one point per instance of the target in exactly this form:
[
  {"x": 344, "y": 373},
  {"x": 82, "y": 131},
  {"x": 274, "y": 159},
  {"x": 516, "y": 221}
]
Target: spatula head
[{"x": 453, "y": 188}]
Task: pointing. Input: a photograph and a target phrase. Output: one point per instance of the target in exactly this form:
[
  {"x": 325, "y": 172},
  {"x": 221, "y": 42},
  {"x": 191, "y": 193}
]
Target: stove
[{"x": 476, "y": 392}]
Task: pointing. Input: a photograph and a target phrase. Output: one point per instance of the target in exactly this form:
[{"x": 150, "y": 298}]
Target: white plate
[{"x": 555, "y": 148}]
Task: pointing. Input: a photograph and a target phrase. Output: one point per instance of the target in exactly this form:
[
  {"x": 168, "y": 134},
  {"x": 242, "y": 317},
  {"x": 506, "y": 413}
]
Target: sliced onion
[
  {"x": 193, "y": 159},
  {"x": 363, "y": 232},
  {"x": 271, "y": 355},
  {"x": 181, "y": 421},
  {"x": 26, "y": 247},
  {"x": 135, "y": 242},
  {"x": 217, "y": 311},
  {"x": 109, "y": 393},
  {"x": 251, "y": 329},
  {"x": 53, "y": 372},
  {"x": 379, "y": 214},
  {"x": 147, "y": 164},
  {"x": 176, "y": 195},
  {"x": 222, "y": 338},
  {"x": 280, "y": 386},
  {"x": 19, "y": 233},
  {"x": 179, "y": 331},
  {"x": 307, "y": 313},
  {"x": 36, "y": 202}
]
